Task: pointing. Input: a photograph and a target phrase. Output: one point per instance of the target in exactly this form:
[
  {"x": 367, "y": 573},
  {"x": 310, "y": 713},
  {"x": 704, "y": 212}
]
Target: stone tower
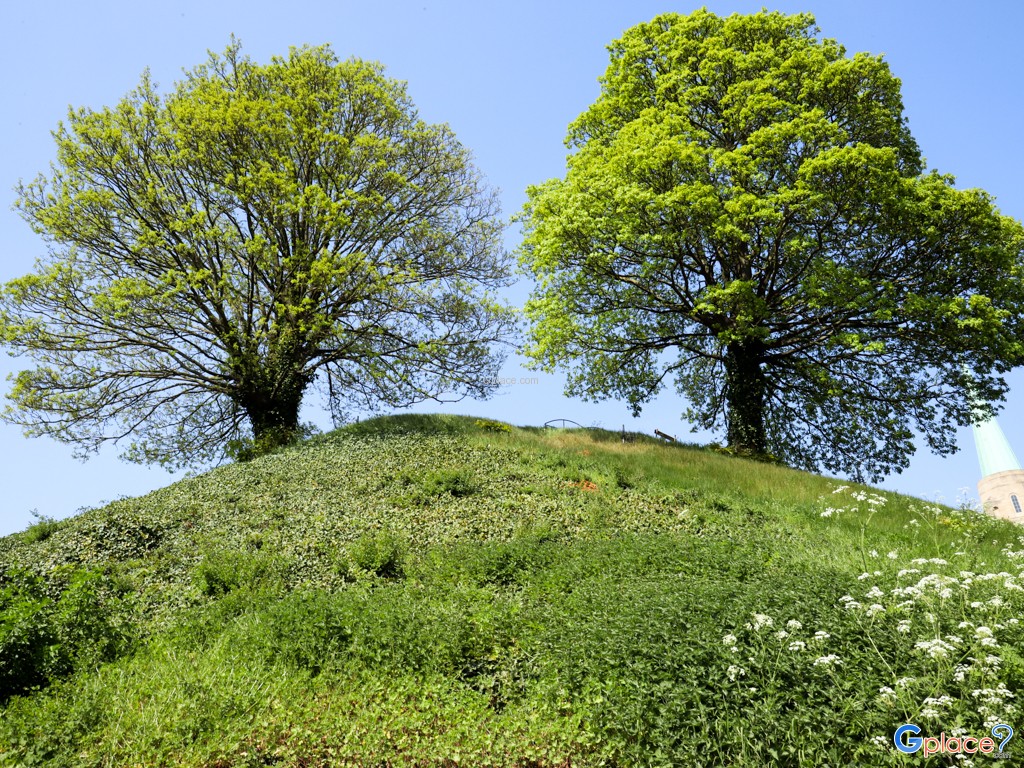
[{"x": 1001, "y": 487}]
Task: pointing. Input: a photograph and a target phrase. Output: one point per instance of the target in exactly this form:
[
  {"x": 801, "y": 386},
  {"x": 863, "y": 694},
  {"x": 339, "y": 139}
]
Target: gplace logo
[{"x": 908, "y": 740}]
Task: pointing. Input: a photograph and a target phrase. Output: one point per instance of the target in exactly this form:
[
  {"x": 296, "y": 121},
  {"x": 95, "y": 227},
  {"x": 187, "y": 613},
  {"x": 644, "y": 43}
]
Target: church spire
[{"x": 994, "y": 451}]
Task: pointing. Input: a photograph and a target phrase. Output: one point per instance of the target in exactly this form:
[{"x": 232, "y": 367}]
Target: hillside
[{"x": 441, "y": 591}]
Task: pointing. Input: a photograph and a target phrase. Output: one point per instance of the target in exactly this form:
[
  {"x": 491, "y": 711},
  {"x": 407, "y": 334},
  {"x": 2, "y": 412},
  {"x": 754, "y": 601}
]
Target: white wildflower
[
  {"x": 936, "y": 649},
  {"x": 828, "y": 661}
]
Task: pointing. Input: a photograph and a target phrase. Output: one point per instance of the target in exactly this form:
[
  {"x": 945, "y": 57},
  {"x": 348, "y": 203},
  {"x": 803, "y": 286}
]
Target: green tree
[
  {"x": 260, "y": 229},
  {"x": 746, "y": 215}
]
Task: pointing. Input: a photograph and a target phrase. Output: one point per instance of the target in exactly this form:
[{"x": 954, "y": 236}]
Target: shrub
[
  {"x": 221, "y": 572},
  {"x": 248, "y": 448},
  {"x": 26, "y": 633},
  {"x": 306, "y": 630},
  {"x": 43, "y": 638},
  {"x": 489, "y": 425},
  {"x": 41, "y": 529},
  {"x": 491, "y": 563},
  {"x": 458, "y": 483},
  {"x": 382, "y": 554}
]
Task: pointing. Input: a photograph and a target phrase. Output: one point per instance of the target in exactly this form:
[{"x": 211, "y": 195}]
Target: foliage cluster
[{"x": 50, "y": 628}]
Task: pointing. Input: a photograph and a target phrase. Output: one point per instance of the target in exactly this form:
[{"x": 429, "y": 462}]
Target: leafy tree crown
[{"x": 746, "y": 216}]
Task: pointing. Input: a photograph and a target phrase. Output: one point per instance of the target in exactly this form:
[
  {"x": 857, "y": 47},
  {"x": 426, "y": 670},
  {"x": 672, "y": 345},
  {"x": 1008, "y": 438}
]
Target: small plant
[
  {"x": 225, "y": 571},
  {"x": 249, "y": 448},
  {"x": 624, "y": 478},
  {"x": 382, "y": 554},
  {"x": 457, "y": 483},
  {"x": 43, "y": 527},
  {"x": 45, "y": 637},
  {"x": 489, "y": 425}
]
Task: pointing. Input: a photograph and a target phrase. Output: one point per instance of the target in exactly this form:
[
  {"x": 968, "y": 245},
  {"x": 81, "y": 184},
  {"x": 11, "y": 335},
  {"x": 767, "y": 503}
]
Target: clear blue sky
[{"x": 508, "y": 78}]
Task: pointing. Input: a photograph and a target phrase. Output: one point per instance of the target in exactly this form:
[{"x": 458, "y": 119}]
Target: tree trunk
[
  {"x": 273, "y": 410},
  {"x": 745, "y": 392},
  {"x": 274, "y": 419}
]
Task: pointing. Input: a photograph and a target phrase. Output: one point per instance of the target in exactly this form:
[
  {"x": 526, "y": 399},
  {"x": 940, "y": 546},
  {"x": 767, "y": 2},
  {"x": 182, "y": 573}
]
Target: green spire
[{"x": 994, "y": 451}]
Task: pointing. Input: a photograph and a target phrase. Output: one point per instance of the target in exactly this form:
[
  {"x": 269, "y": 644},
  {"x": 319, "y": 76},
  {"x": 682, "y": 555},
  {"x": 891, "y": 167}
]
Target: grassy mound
[{"x": 441, "y": 591}]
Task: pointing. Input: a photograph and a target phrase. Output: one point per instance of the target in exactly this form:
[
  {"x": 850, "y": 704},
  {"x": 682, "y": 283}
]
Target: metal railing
[{"x": 564, "y": 422}]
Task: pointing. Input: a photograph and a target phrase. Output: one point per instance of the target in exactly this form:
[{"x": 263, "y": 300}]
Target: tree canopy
[
  {"x": 261, "y": 229},
  {"x": 746, "y": 216}
]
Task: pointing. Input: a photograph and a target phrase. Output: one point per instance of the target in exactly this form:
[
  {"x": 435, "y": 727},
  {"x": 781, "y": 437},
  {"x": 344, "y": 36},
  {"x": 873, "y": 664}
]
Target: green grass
[{"x": 441, "y": 591}]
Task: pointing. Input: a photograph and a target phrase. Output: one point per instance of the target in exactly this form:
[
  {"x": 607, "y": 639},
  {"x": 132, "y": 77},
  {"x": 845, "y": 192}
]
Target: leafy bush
[
  {"x": 223, "y": 571},
  {"x": 494, "y": 563},
  {"x": 249, "y": 448},
  {"x": 43, "y": 637},
  {"x": 306, "y": 630},
  {"x": 490, "y": 425},
  {"x": 26, "y": 633},
  {"x": 456, "y": 482},
  {"x": 41, "y": 529},
  {"x": 381, "y": 554}
]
